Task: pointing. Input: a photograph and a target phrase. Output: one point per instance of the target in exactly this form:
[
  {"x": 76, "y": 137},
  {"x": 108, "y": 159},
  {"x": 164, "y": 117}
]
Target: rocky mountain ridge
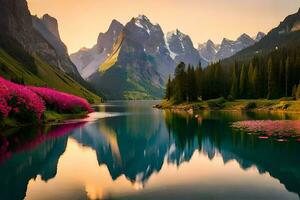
[
  {"x": 140, "y": 54},
  {"x": 212, "y": 52},
  {"x": 31, "y": 51}
]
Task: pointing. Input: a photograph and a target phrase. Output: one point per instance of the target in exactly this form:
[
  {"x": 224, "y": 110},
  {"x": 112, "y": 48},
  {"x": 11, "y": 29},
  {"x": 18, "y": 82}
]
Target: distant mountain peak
[
  {"x": 143, "y": 23},
  {"x": 226, "y": 41},
  {"x": 210, "y": 42},
  {"x": 209, "y": 45},
  {"x": 114, "y": 30},
  {"x": 208, "y": 51},
  {"x": 142, "y": 17},
  {"x": 51, "y": 24},
  {"x": 244, "y": 36},
  {"x": 114, "y": 27},
  {"x": 179, "y": 33},
  {"x": 176, "y": 33},
  {"x": 114, "y": 23},
  {"x": 259, "y": 36}
]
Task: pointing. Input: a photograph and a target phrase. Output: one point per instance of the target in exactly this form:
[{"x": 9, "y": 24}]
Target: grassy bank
[
  {"x": 279, "y": 105},
  {"x": 54, "y": 117},
  {"x": 49, "y": 117}
]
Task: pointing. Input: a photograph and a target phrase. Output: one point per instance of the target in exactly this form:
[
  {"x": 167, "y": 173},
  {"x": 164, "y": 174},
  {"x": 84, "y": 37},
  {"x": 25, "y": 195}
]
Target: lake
[{"x": 128, "y": 150}]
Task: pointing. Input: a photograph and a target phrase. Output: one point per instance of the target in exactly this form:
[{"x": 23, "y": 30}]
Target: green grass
[
  {"x": 48, "y": 117},
  {"x": 237, "y": 105},
  {"x": 109, "y": 62},
  {"x": 136, "y": 95},
  {"x": 46, "y": 76},
  {"x": 113, "y": 58},
  {"x": 52, "y": 116}
]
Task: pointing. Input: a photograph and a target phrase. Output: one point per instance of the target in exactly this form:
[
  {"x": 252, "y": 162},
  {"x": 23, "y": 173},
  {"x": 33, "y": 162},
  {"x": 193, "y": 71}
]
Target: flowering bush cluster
[
  {"x": 26, "y": 104},
  {"x": 280, "y": 129},
  {"x": 4, "y": 96},
  {"x": 62, "y": 102},
  {"x": 19, "y": 102}
]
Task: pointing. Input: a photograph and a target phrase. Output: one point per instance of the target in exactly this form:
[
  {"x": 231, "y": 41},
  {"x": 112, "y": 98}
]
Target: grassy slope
[
  {"x": 126, "y": 87},
  {"x": 113, "y": 58},
  {"x": 237, "y": 105},
  {"x": 47, "y": 76},
  {"x": 109, "y": 62}
]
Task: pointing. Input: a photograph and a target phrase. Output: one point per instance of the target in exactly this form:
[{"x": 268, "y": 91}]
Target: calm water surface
[{"x": 137, "y": 152}]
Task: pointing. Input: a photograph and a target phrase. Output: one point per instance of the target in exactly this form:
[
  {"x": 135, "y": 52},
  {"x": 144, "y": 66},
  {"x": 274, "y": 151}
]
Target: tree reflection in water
[{"x": 138, "y": 145}]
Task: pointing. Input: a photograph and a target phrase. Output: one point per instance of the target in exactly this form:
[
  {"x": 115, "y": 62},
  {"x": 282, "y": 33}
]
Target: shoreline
[
  {"x": 254, "y": 105},
  {"x": 50, "y": 117}
]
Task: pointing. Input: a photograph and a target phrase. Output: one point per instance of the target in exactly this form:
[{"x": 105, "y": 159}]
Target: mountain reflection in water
[{"x": 148, "y": 154}]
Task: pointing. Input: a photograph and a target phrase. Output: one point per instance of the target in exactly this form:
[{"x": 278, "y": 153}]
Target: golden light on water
[{"x": 79, "y": 174}]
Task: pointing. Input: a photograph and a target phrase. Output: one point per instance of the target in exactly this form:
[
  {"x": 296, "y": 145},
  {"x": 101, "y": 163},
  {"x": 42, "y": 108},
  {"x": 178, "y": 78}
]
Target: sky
[{"x": 81, "y": 21}]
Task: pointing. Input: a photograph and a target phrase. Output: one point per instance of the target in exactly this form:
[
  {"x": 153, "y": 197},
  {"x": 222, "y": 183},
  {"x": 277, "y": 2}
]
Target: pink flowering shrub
[
  {"x": 4, "y": 97},
  {"x": 27, "y": 104},
  {"x": 19, "y": 102},
  {"x": 62, "y": 102}
]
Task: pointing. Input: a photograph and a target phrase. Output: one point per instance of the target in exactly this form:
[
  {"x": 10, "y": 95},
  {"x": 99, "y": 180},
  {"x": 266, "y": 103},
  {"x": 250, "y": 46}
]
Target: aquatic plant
[
  {"x": 279, "y": 129},
  {"x": 62, "y": 102}
]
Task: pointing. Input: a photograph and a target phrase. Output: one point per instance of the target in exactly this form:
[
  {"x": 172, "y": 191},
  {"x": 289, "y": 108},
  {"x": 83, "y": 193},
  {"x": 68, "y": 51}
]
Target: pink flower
[
  {"x": 16, "y": 110},
  {"x": 15, "y": 98},
  {"x": 62, "y": 102},
  {"x": 280, "y": 129}
]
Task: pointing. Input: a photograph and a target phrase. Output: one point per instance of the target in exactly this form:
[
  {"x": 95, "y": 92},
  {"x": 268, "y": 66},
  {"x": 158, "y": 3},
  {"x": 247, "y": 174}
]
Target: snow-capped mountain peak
[
  {"x": 143, "y": 18},
  {"x": 143, "y": 23},
  {"x": 208, "y": 50},
  {"x": 88, "y": 60},
  {"x": 181, "y": 48},
  {"x": 228, "y": 48}
]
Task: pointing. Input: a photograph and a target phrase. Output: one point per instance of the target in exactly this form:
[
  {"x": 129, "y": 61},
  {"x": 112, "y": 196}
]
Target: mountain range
[
  {"x": 136, "y": 59},
  {"x": 32, "y": 52},
  {"x": 286, "y": 34},
  {"x": 131, "y": 61},
  {"x": 212, "y": 52}
]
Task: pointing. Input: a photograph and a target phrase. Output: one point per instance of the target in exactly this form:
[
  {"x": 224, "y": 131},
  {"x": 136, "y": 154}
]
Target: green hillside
[{"x": 43, "y": 75}]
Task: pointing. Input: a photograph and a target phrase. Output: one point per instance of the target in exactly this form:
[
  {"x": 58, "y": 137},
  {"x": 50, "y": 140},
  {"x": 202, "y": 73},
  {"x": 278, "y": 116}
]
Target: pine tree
[
  {"x": 219, "y": 80},
  {"x": 191, "y": 84},
  {"x": 235, "y": 82},
  {"x": 169, "y": 89},
  {"x": 243, "y": 83},
  {"x": 199, "y": 81},
  {"x": 180, "y": 83},
  {"x": 250, "y": 92},
  {"x": 287, "y": 63},
  {"x": 294, "y": 91},
  {"x": 271, "y": 80},
  {"x": 256, "y": 83},
  {"x": 298, "y": 92},
  {"x": 264, "y": 76}
]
